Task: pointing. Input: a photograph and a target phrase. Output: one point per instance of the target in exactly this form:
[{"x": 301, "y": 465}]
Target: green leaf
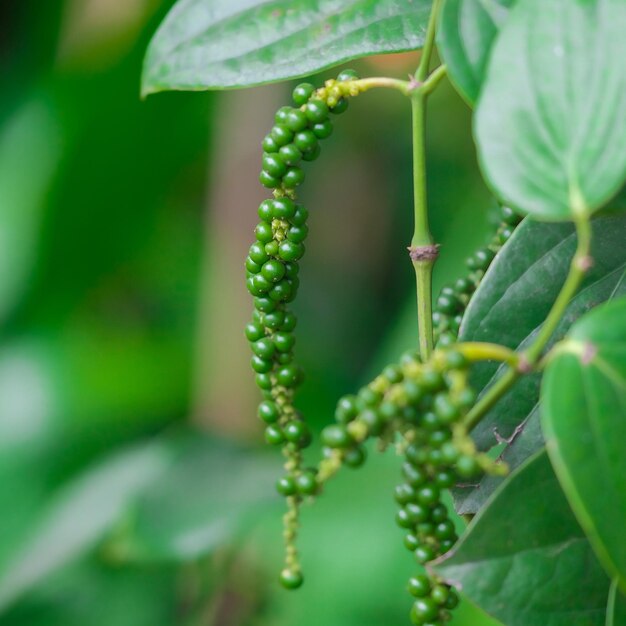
[
  {"x": 525, "y": 559},
  {"x": 616, "y": 607},
  {"x": 551, "y": 122},
  {"x": 467, "y": 30},
  {"x": 238, "y": 43},
  {"x": 78, "y": 517},
  {"x": 211, "y": 489},
  {"x": 509, "y": 308},
  {"x": 584, "y": 421}
]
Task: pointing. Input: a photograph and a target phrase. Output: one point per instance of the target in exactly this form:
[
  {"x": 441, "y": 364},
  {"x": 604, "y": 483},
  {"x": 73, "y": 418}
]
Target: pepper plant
[{"x": 513, "y": 397}]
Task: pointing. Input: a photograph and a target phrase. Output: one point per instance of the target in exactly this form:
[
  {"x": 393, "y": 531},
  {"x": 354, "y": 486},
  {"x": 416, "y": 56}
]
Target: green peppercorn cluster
[
  {"x": 453, "y": 299},
  {"x": 272, "y": 267}
]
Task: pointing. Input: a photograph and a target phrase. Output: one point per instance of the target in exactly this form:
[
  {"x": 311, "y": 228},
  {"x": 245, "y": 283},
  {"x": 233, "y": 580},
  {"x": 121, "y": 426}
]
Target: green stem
[
  {"x": 423, "y": 277},
  {"x": 429, "y": 43},
  {"x": 431, "y": 83},
  {"x": 480, "y": 351},
  {"x": 527, "y": 360},
  {"x": 365, "y": 84}
]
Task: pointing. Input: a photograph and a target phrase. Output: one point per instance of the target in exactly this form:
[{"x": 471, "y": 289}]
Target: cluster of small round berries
[
  {"x": 272, "y": 267},
  {"x": 453, "y": 299}
]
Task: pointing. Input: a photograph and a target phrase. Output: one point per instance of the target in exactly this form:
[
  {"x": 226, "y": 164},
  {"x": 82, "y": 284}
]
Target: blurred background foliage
[{"x": 133, "y": 486}]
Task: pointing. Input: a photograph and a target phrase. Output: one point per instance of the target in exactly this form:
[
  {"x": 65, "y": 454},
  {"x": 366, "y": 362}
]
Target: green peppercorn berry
[
  {"x": 265, "y": 210},
  {"x": 282, "y": 291},
  {"x": 265, "y": 305},
  {"x": 340, "y": 107},
  {"x": 312, "y": 154},
  {"x": 274, "y": 165},
  {"x": 419, "y": 586},
  {"x": 307, "y": 482},
  {"x": 297, "y": 432},
  {"x": 263, "y": 381},
  {"x": 300, "y": 216},
  {"x": 281, "y": 134},
  {"x": 268, "y": 411},
  {"x": 291, "y": 270},
  {"x": 509, "y": 216},
  {"x": 430, "y": 421},
  {"x": 283, "y": 208},
  {"x": 260, "y": 365},
  {"x": 269, "y": 145},
  {"x": 337, "y": 436},
  {"x": 439, "y": 514},
  {"x": 289, "y": 322},
  {"x": 257, "y": 253},
  {"x": 291, "y": 579},
  {"x": 428, "y": 495},
  {"x": 281, "y": 115},
  {"x": 346, "y": 409},
  {"x": 464, "y": 285},
  {"x": 284, "y": 341},
  {"x": 431, "y": 380},
  {"x": 467, "y": 467},
  {"x": 413, "y": 391},
  {"x": 440, "y": 594},
  {"x": 424, "y": 553},
  {"x": 271, "y": 248},
  {"x": 274, "y": 435},
  {"x": 444, "y": 408},
  {"x": 298, "y": 234},
  {"x": 305, "y": 141},
  {"x": 447, "y": 304},
  {"x": 369, "y": 396},
  {"x": 354, "y": 457},
  {"x": 388, "y": 410},
  {"x": 415, "y": 476},
  {"x": 322, "y": 130},
  {"x": 424, "y": 610},
  {"x": 293, "y": 177},
  {"x": 254, "y": 331},
  {"x": 445, "y": 530},
  {"x": 393, "y": 374},
  {"x": 284, "y": 358},
  {"x": 404, "y": 493},
  {"x": 453, "y": 600},
  {"x": 290, "y": 251},
  {"x": 414, "y": 456},
  {"x": 449, "y": 453},
  {"x": 403, "y": 520},
  {"x": 411, "y": 542},
  {"x": 263, "y": 232},
  {"x": 261, "y": 284},
  {"x": 482, "y": 258},
  {"x": 273, "y": 271},
  {"x": 372, "y": 420},
  {"x": 264, "y": 348},
  {"x": 505, "y": 235},
  {"x": 286, "y": 486},
  {"x": 296, "y": 120},
  {"x": 290, "y": 154},
  {"x": 465, "y": 398},
  {"x": 316, "y": 111},
  {"x": 346, "y": 75},
  {"x": 438, "y": 437},
  {"x": 288, "y": 376},
  {"x": 269, "y": 181},
  {"x": 274, "y": 320},
  {"x": 417, "y": 513},
  {"x": 444, "y": 479},
  {"x": 434, "y": 457},
  {"x": 302, "y": 93}
]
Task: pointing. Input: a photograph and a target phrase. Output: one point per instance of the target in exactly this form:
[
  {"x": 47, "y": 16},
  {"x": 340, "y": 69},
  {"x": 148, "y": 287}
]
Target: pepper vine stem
[{"x": 580, "y": 263}]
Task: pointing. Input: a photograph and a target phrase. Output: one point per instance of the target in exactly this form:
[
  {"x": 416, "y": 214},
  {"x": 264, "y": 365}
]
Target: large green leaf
[
  {"x": 551, "y": 120},
  {"x": 238, "y": 43},
  {"x": 616, "y": 607},
  {"x": 525, "y": 559},
  {"x": 584, "y": 420},
  {"x": 467, "y": 30},
  {"x": 509, "y": 308}
]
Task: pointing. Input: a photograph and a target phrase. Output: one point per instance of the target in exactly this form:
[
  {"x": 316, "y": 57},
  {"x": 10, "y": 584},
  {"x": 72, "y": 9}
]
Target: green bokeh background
[{"x": 134, "y": 489}]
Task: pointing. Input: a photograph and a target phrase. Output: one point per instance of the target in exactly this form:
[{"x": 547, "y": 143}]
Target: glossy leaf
[
  {"x": 550, "y": 125},
  {"x": 525, "y": 559},
  {"x": 584, "y": 421},
  {"x": 467, "y": 30},
  {"x": 510, "y": 306},
  {"x": 238, "y": 43}
]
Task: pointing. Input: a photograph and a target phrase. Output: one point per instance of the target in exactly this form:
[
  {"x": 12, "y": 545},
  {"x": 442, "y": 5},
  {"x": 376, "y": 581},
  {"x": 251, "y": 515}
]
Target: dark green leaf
[
  {"x": 467, "y": 30},
  {"x": 238, "y": 43},
  {"x": 525, "y": 559},
  {"x": 616, "y": 607},
  {"x": 550, "y": 124},
  {"x": 510, "y": 306},
  {"x": 209, "y": 491},
  {"x": 583, "y": 396}
]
